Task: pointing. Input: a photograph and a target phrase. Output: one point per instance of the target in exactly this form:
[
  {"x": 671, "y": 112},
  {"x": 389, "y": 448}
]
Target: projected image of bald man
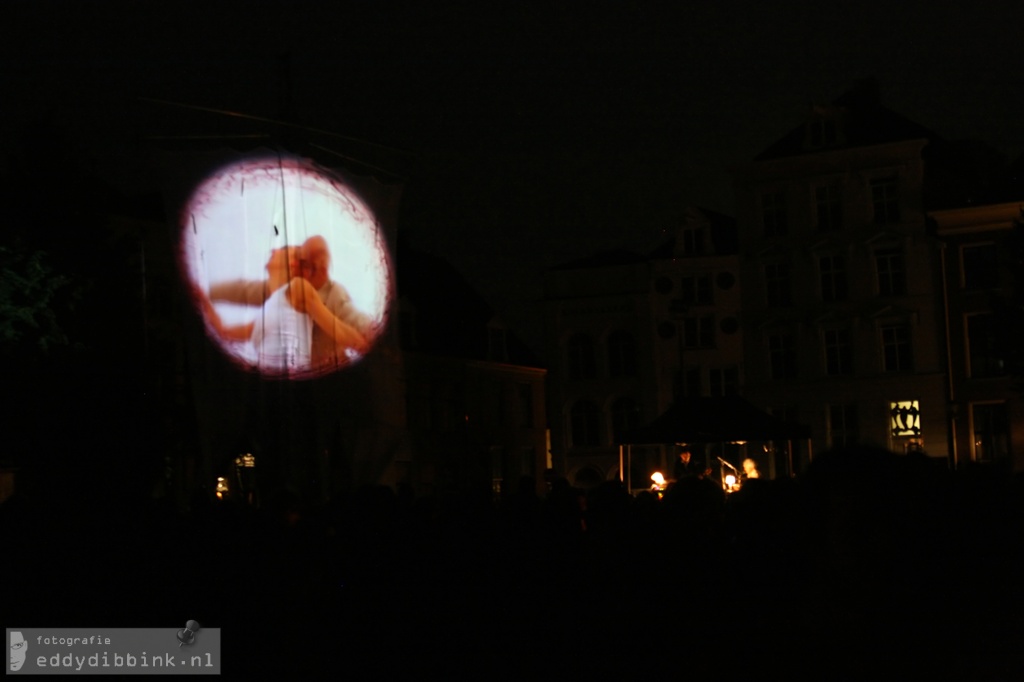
[{"x": 314, "y": 266}]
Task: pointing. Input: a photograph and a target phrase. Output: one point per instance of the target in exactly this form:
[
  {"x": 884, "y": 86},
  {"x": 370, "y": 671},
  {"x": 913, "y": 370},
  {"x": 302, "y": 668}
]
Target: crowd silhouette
[{"x": 867, "y": 565}]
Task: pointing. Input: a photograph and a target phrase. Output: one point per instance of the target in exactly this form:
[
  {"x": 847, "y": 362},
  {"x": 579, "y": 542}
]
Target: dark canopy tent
[{"x": 711, "y": 420}]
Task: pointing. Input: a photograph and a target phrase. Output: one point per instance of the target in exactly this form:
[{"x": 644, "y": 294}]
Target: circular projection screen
[{"x": 287, "y": 265}]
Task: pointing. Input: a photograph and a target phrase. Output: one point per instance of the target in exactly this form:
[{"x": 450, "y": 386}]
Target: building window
[
  {"x": 822, "y": 132},
  {"x": 686, "y": 383},
  {"x": 773, "y": 213},
  {"x": 777, "y": 284},
  {"x": 582, "y": 365},
  {"x": 625, "y": 417},
  {"x": 724, "y": 381},
  {"x": 838, "y": 352},
  {"x": 991, "y": 432},
  {"x": 885, "y": 201},
  {"x": 905, "y": 418},
  {"x": 833, "y": 278},
  {"x": 984, "y": 357},
  {"x": 699, "y": 332},
  {"x": 782, "y": 356},
  {"x": 979, "y": 266},
  {"x": 896, "y": 349},
  {"x": 585, "y": 420},
  {"x": 693, "y": 241},
  {"x": 696, "y": 290},
  {"x": 828, "y": 208},
  {"x": 525, "y": 392},
  {"x": 892, "y": 273},
  {"x": 843, "y": 426},
  {"x": 621, "y": 354}
]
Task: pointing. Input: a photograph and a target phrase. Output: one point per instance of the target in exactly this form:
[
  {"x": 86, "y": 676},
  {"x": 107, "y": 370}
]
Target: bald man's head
[{"x": 316, "y": 261}]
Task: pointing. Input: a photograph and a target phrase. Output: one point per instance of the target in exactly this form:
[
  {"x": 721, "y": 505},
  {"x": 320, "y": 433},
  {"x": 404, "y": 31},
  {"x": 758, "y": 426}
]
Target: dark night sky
[{"x": 536, "y": 134}]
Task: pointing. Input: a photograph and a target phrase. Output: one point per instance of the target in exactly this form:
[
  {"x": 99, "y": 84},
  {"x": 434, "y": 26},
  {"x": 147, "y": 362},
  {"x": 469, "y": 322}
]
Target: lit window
[{"x": 905, "y": 418}]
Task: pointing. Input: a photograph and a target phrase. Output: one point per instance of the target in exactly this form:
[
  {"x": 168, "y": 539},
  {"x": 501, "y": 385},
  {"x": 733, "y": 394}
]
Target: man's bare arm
[{"x": 243, "y": 292}]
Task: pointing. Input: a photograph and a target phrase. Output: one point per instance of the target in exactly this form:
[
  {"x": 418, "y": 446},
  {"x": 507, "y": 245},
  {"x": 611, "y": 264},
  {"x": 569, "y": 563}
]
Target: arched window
[
  {"x": 585, "y": 420},
  {"x": 581, "y": 358},
  {"x": 621, "y": 354}
]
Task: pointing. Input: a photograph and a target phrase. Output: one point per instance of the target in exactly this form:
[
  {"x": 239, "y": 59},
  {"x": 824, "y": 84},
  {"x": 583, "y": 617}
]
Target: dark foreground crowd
[{"x": 867, "y": 566}]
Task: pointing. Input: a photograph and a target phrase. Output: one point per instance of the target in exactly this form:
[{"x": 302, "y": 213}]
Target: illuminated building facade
[
  {"x": 842, "y": 322},
  {"x": 630, "y": 333},
  {"x": 986, "y": 413}
]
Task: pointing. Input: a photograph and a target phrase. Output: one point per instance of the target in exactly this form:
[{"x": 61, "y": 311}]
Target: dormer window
[
  {"x": 693, "y": 241},
  {"x": 822, "y": 132},
  {"x": 822, "y": 128}
]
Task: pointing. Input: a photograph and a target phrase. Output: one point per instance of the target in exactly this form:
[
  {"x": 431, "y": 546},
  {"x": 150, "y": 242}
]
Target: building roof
[
  {"x": 722, "y": 229},
  {"x": 713, "y": 420},
  {"x": 451, "y": 318},
  {"x": 861, "y": 121},
  {"x": 603, "y": 259}
]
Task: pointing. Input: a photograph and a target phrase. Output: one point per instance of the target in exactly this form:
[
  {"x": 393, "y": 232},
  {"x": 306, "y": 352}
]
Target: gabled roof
[
  {"x": 722, "y": 231},
  {"x": 603, "y": 259},
  {"x": 863, "y": 122},
  {"x": 451, "y": 318}
]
